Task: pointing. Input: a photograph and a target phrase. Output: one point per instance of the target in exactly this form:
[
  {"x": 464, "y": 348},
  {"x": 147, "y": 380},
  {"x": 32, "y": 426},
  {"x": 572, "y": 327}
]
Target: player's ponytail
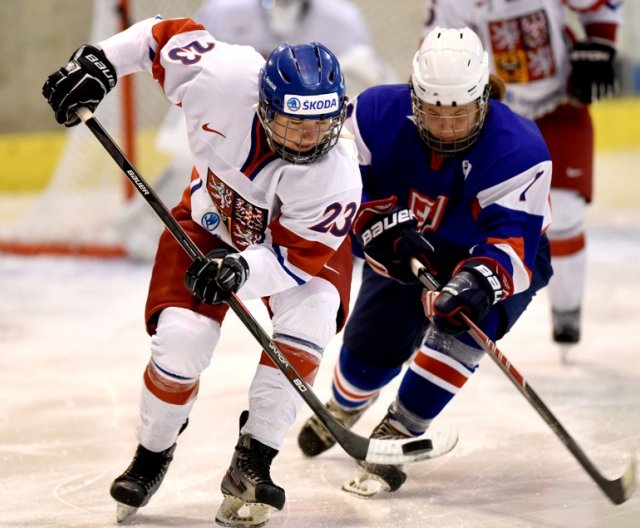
[{"x": 497, "y": 88}]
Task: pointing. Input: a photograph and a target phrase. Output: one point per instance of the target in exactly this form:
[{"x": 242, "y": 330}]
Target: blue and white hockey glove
[
  {"x": 83, "y": 81},
  {"x": 473, "y": 290},
  {"x": 390, "y": 238},
  {"x": 213, "y": 279}
]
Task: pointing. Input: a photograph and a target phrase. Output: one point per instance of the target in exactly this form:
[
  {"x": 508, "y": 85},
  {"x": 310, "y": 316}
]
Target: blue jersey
[{"x": 490, "y": 202}]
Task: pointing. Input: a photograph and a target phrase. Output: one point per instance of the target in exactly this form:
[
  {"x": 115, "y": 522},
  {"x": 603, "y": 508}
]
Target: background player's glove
[
  {"x": 593, "y": 73},
  {"x": 389, "y": 239},
  {"x": 83, "y": 81},
  {"x": 213, "y": 279},
  {"x": 472, "y": 291}
]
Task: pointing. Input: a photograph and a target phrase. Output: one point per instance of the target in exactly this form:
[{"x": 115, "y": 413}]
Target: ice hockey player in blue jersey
[{"x": 453, "y": 178}]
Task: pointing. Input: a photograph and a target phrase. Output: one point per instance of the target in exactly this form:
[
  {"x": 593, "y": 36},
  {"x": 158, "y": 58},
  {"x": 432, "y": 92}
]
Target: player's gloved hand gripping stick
[
  {"x": 617, "y": 490},
  {"x": 379, "y": 451}
]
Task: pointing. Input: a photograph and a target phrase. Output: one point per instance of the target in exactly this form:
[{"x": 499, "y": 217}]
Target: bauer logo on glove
[
  {"x": 390, "y": 238},
  {"x": 396, "y": 218}
]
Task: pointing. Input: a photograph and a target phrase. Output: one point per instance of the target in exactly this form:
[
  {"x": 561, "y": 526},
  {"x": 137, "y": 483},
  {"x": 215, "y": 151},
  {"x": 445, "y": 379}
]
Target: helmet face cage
[
  {"x": 300, "y": 145},
  {"x": 302, "y": 101},
  {"x": 464, "y": 123},
  {"x": 450, "y": 89}
]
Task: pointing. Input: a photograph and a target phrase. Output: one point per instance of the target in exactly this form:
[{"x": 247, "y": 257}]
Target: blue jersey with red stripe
[{"x": 489, "y": 202}]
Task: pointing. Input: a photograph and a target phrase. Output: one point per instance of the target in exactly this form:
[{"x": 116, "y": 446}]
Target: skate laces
[
  {"x": 570, "y": 318},
  {"x": 148, "y": 467},
  {"x": 254, "y": 460},
  {"x": 385, "y": 430}
]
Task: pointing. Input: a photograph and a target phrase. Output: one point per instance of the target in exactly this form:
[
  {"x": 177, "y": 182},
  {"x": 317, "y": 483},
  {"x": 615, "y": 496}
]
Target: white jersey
[
  {"x": 338, "y": 24},
  {"x": 526, "y": 40},
  {"x": 287, "y": 220}
]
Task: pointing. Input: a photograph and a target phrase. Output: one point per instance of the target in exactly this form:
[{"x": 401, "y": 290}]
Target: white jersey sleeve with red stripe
[
  {"x": 600, "y": 18},
  {"x": 288, "y": 220}
]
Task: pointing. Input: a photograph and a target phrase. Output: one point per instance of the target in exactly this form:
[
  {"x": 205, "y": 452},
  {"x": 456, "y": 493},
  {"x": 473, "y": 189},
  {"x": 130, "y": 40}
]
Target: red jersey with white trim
[
  {"x": 287, "y": 220},
  {"x": 528, "y": 41}
]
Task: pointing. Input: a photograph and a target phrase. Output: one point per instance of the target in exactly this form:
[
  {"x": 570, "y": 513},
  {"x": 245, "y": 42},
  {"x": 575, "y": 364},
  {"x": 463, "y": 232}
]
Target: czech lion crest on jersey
[
  {"x": 522, "y": 48},
  {"x": 245, "y": 221}
]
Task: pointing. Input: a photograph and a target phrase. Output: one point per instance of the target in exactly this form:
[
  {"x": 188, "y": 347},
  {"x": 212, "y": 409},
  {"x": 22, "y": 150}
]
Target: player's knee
[
  {"x": 569, "y": 210},
  {"x": 306, "y": 315},
  {"x": 183, "y": 343}
]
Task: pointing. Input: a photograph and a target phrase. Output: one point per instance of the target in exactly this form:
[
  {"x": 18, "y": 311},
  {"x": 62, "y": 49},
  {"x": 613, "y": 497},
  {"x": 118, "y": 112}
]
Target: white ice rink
[{"x": 72, "y": 352}]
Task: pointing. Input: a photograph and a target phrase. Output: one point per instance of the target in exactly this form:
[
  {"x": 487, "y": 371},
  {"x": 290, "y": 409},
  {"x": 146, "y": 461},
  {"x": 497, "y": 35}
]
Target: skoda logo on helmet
[
  {"x": 293, "y": 104},
  {"x": 312, "y": 105}
]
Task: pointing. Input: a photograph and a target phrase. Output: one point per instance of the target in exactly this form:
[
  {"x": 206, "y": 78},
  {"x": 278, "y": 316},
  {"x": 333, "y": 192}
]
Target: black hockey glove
[
  {"x": 213, "y": 279},
  {"x": 389, "y": 239},
  {"x": 593, "y": 73},
  {"x": 472, "y": 291},
  {"x": 83, "y": 81}
]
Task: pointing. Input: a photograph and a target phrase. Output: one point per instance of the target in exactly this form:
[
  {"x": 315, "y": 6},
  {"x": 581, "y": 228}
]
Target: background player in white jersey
[
  {"x": 555, "y": 58},
  {"x": 272, "y": 196},
  {"x": 264, "y": 25},
  {"x": 338, "y": 24},
  {"x": 456, "y": 179}
]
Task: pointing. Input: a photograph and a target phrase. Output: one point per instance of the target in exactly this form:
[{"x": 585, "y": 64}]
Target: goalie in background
[
  {"x": 555, "y": 58},
  {"x": 463, "y": 186},
  {"x": 273, "y": 192},
  {"x": 263, "y": 25}
]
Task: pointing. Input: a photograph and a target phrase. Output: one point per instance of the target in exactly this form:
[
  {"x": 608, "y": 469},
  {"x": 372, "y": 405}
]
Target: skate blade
[
  {"x": 565, "y": 349},
  {"x": 235, "y": 513},
  {"x": 123, "y": 511},
  {"x": 364, "y": 484}
]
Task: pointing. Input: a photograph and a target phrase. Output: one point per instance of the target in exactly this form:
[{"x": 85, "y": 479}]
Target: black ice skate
[
  {"x": 314, "y": 438},
  {"x": 134, "y": 488},
  {"x": 566, "y": 326},
  {"x": 566, "y": 330},
  {"x": 247, "y": 485},
  {"x": 370, "y": 479}
]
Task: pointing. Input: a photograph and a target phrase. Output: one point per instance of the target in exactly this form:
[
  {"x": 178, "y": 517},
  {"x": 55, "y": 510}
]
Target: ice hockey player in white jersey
[
  {"x": 272, "y": 196},
  {"x": 263, "y": 25},
  {"x": 453, "y": 178},
  {"x": 555, "y": 59}
]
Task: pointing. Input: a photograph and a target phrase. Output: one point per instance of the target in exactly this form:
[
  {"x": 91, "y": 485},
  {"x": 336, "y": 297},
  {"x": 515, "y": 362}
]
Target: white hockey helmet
[{"x": 451, "y": 68}]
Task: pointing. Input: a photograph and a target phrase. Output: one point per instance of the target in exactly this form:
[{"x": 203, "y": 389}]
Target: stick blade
[
  {"x": 621, "y": 490},
  {"x": 405, "y": 451}
]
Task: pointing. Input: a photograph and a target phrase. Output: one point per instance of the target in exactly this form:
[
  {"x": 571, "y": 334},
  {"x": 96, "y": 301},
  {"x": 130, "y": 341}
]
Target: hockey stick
[
  {"x": 617, "y": 490},
  {"x": 372, "y": 450}
]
